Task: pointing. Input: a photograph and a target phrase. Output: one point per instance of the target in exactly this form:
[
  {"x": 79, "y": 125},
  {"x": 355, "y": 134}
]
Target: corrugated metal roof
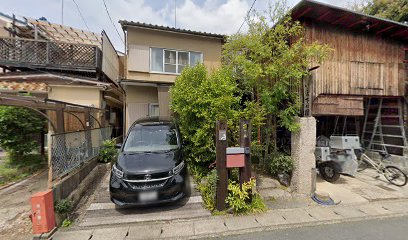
[{"x": 126, "y": 24}]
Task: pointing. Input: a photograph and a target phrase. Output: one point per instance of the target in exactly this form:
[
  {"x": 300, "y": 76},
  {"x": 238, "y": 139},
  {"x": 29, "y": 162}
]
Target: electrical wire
[
  {"x": 80, "y": 13},
  {"x": 246, "y": 16},
  {"x": 107, "y": 11}
]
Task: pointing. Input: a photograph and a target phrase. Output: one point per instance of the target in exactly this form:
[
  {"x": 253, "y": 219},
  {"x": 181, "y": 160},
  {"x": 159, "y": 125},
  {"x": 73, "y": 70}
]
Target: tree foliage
[
  {"x": 199, "y": 98},
  {"x": 396, "y": 10},
  {"x": 17, "y": 128},
  {"x": 270, "y": 62}
]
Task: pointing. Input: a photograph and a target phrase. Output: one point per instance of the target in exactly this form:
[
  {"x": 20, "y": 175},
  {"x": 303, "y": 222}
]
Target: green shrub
[
  {"x": 239, "y": 198},
  {"x": 66, "y": 223},
  {"x": 108, "y": 151},
  {"x": 208, "y": 188},
  {"x": 63, "y": 207},
  {"x": 280, "y": 163},
  {"x": 198, "y": 99},
  {"x": 17, "y": 127}
]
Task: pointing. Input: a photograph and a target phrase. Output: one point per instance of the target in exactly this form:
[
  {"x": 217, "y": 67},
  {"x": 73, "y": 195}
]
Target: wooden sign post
[
  {"x": 245, "y": 142},
  {"x": 221, "y": 149},
  {"x": 233, "y": 157}
]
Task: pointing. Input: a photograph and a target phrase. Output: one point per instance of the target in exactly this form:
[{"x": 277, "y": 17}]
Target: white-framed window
[
  {"x": 172, "y": 61},
  {"x": 153, "y": 110}
]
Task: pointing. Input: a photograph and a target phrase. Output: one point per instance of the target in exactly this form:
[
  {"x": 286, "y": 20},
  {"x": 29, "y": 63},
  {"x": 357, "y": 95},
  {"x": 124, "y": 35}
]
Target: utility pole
[
  {"x": 175, "y": 13},
  {"x": 62, "y": 12}
]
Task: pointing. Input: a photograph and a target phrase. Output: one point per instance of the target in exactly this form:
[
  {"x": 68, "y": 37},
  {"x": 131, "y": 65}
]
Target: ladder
[
  {"x": 346, "y": 126},
  {"x": 383, "y": 129}
]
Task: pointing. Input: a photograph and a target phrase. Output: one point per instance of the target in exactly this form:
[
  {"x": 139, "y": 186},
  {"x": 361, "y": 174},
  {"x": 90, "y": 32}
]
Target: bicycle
[{"x": 391, "y": 172}]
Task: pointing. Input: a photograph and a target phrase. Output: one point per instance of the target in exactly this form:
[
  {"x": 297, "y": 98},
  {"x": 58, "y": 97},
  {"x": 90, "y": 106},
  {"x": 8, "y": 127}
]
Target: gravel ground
[{"x": 15, "y": 207}]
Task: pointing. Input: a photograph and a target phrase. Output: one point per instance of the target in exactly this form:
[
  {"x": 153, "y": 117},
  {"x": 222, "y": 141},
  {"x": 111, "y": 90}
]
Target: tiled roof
[
  {"x": 23, "y": 86},
  {"x": 125, "y": 24}
]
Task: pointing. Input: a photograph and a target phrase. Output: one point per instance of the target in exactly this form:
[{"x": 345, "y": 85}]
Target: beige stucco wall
[
  {"x": 88, "y": 96},
  {"x": 3, "y": 32},
  {"x": 137, "y": 103},
  {"x": 210, "y": 47}
]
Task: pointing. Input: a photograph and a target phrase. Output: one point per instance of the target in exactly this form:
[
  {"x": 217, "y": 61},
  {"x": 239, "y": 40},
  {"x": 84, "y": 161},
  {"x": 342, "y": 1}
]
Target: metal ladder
[{"x": 377, "y": 137}]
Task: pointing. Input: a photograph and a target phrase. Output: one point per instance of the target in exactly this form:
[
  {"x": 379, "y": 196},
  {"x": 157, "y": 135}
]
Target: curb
[
  {"x": 375, "y": 211},
  {"x": 290, "y": 226}
]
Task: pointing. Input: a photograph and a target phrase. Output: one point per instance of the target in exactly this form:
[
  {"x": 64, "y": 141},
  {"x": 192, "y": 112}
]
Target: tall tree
[
  {"x": 396, "y": 10},
  {"x": 270, "y": 60}
]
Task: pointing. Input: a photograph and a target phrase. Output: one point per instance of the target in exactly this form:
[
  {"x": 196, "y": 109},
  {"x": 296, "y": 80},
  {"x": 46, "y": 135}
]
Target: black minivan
[{"x": 150, "y": 168}]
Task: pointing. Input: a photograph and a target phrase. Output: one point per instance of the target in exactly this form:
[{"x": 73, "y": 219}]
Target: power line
[
  {"x": 80, "y": 13},
  {"x": 246, "y": 16},
  {"x": 106, "y": 8}
]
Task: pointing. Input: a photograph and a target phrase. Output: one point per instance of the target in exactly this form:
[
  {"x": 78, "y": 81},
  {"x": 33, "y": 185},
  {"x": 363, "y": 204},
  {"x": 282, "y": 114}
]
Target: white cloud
[
  {"x": 216, "y": 16},
  {"x": 210, "y": 17}
]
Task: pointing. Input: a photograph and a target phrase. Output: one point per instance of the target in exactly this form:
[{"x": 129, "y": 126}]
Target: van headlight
[
  {"x": 118, "y": 173},
  {"x": 178, "y": 168}
]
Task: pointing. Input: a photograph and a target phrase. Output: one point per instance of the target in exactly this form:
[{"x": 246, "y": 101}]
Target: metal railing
[
  {"x": 18, "y": 51},
  {"x": 70, "y": 150}
]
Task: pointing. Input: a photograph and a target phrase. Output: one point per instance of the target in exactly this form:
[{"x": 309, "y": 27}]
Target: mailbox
[
  {"x": 236, "y": 157},
  {"x": 42, "y": 215}
]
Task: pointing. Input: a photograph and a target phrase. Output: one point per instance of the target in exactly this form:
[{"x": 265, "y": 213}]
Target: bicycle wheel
[{"x": 395, "y": 176}]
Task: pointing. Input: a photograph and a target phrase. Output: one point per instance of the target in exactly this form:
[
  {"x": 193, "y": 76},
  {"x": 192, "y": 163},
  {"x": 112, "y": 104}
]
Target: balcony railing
[{"x": 18, "y": 52}]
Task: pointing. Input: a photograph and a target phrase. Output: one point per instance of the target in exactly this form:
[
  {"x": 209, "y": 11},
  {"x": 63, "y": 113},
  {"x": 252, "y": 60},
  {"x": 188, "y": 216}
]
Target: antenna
[
  {"x": 175, "y": 13},
  {"x": 62, "y": 12}
]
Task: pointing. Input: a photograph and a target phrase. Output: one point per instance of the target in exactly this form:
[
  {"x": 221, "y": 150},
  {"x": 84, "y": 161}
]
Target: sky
[{"x": 215, "y": 16}]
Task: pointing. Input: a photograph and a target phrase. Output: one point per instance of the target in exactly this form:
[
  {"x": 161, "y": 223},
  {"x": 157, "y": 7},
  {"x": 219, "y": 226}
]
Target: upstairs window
[{"x": 172, "y": 61}]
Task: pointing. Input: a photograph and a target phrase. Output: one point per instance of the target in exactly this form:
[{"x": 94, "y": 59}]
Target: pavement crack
[
  {"x": 336, "y": 213},
  {"x": 283, "y": 217}
]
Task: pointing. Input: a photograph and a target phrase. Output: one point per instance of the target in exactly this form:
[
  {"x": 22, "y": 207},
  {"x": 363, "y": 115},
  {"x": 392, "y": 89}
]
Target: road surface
[{"x": 379, "y": 229}]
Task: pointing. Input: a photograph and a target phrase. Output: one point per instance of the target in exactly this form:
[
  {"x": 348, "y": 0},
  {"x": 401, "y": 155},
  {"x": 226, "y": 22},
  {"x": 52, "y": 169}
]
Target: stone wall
[{"x": 303, "y": 147}]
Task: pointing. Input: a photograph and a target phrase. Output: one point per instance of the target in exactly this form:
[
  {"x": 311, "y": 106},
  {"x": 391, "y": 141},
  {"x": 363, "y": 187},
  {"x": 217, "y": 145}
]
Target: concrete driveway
[
  {"x": 100, "y": 211},
  {"x": 365, "y": 187}
]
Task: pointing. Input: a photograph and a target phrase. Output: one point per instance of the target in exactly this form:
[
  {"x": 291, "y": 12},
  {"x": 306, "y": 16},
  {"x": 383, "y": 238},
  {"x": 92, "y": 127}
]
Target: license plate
[{"x": 148, "y": 196}]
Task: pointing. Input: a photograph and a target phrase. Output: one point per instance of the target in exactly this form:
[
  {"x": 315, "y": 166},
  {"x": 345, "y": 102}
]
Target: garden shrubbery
[
  {"x": 259, "y": 80},
  {"x": 108, "y": 151}
]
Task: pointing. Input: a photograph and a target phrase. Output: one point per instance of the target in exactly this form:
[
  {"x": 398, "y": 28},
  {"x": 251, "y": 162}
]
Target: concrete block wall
[{"x": 303, "y": 146}]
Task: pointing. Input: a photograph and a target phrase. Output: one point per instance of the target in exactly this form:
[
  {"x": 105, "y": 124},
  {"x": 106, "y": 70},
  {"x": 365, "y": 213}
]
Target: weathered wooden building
[{"x": 361, "y": 87}]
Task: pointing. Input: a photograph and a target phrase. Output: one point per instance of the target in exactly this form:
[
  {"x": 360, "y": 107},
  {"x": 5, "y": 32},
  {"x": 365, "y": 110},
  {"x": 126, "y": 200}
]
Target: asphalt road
[{"x": 379, "y": 229}]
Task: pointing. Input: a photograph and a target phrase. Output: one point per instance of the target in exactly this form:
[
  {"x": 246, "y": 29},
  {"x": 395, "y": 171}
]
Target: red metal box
[
  {"x": 236, "y": 161},
  {"x": 42, "y": 207}
]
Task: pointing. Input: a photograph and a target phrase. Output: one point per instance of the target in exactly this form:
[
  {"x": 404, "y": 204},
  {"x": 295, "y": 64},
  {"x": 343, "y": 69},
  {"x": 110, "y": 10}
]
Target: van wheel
[{"x": 328, "y": 172}]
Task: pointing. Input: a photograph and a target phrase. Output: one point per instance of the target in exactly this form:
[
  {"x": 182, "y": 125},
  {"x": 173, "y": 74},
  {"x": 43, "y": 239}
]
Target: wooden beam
[
  {"x": 384, "y": 30},
  {"x": 399, "y": 32},
  {"x": 303, "y": 13},
  {"x": 341, "y": 19},
  {"x": 355, "y": 23},
  {"x": 323, "y": 16}
]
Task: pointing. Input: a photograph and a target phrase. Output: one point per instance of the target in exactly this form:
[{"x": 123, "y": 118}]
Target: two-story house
[
  {"x": 50, "y": 61},
  {"x": 360, "y": 88},
  {"x": 156, "y": 55}
]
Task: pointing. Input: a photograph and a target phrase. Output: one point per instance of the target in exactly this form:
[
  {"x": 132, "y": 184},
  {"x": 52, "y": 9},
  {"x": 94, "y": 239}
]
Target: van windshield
[{"x": 151, "y": 138}]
